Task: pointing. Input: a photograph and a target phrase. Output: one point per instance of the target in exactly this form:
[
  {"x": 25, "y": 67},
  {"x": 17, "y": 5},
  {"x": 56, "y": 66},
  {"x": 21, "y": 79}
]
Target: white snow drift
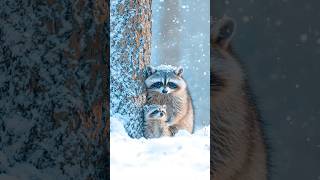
[{"x": 184, "y": 156}]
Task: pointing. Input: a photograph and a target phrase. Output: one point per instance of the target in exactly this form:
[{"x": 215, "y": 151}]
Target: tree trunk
[
  {"x": 53, "y": 89},
  {"x": 130, "y": 53}
]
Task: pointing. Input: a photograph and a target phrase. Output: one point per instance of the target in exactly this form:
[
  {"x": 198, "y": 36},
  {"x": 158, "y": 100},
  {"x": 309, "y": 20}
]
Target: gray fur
[{"x": 155, "y": 125}]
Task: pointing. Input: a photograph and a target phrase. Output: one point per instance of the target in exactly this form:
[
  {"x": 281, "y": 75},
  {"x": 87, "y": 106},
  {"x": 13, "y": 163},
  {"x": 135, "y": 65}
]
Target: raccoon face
[
  {"x": 165, "y": 81},
  {"x": 156, "y": 112}
]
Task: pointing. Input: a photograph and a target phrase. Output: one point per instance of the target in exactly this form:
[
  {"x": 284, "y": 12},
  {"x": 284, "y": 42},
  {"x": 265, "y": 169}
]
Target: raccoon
[
  {"x": 166, "y": 86},
  {"x": 239, "y": 150},
  {"x": 155, "y": 125}
]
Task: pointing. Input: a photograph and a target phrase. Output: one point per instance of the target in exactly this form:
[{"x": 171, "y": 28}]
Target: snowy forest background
[
  {"x": 53, "y": 73},
  {"x": 161, "y": 32},
  {"x": 181, "y": 33},
  {"x": 164, "y": 32}
]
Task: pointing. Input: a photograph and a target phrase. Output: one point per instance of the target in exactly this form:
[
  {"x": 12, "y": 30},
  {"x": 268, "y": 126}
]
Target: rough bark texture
[
  {"x": 130, "y": 53},
  {"x": 53, "y": 89}
]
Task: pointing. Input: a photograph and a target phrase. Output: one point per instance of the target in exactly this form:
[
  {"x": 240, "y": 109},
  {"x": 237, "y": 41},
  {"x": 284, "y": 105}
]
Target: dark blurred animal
[{"x": 238, "y": 146}]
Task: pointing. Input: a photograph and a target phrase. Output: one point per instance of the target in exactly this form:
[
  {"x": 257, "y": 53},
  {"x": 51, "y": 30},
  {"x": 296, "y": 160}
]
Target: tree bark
[
  {"x": 130, "y": 53},
  {"x": 53, "y": 89}
]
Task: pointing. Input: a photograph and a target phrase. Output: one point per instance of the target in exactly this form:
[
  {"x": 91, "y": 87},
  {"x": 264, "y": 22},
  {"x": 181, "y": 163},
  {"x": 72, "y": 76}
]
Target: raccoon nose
[
  {"x": 161, "y": 114},
  {"x": 164, "y": 91}
]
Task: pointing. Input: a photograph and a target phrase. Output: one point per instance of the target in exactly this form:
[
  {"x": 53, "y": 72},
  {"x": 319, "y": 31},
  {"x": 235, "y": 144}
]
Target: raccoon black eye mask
[
  {"x": 158, "y": 111},
  {"x": 156, "y": 85},
  {"x": 172, "y": 85},
  {"x": 160, "y": 84},
  {"x": 155, "y": 112}
]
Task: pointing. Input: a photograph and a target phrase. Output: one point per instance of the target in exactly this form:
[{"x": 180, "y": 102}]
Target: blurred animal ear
[
  {"x": 150, "y": 70},
  {"x": 179, "y": 71},
  {"x": 164, "y": 106},
  {"x": 224, "y": 32}
]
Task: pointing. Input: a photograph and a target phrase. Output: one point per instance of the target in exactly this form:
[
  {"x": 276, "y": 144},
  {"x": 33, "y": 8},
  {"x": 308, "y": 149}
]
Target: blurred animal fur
[
  {"x": 166, "y": 86},
  {"x": 238, "y": 148}
]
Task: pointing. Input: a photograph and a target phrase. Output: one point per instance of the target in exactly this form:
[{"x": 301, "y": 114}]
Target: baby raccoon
[
  {"x": 166, "y": 86},
  {"x": 238, "y": 145},
  {"x": 155, "y": 117}
]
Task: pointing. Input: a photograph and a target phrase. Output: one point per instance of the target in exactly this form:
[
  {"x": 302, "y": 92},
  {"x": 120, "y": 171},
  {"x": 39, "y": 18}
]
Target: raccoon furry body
[
  {"x": 166, "y": 86},
  {"x": 155, "y": 117},
  {"x": 238, "y": 148}
]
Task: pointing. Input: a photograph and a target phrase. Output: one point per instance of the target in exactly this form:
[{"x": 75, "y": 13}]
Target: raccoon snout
[
  {"x": 164, "y": 91},
  {"x": 161, "y": 114}
]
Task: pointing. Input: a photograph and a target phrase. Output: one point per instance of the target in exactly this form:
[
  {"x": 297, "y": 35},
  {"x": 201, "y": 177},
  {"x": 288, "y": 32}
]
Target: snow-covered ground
[{"x": 184, "y": 156}]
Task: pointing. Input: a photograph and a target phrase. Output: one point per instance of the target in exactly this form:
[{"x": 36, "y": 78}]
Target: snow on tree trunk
[
  {"x": 53, "y": 88},
  {"x": 130, "y": 24}
]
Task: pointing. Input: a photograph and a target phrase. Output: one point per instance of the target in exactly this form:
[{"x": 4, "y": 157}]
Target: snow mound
[{"x": 185, "y": 156}]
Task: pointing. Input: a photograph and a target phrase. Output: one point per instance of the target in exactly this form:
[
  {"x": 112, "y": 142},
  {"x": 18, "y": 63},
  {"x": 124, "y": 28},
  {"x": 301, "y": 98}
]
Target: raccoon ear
[
  {"x": 226, "y": 28},
  {"x": 164, "y": 106},
  {"x": 150, "y": 70},
  {"x": 179, "y": 71}
]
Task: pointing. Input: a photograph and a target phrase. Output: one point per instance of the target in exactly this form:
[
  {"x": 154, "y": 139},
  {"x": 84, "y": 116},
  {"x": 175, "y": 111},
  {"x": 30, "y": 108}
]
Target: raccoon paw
[{"x": 173, "y": 130}]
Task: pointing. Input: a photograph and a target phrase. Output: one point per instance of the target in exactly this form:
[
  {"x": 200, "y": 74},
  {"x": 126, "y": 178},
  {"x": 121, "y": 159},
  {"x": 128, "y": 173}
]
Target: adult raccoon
[{"x": 238, "y": 145}]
